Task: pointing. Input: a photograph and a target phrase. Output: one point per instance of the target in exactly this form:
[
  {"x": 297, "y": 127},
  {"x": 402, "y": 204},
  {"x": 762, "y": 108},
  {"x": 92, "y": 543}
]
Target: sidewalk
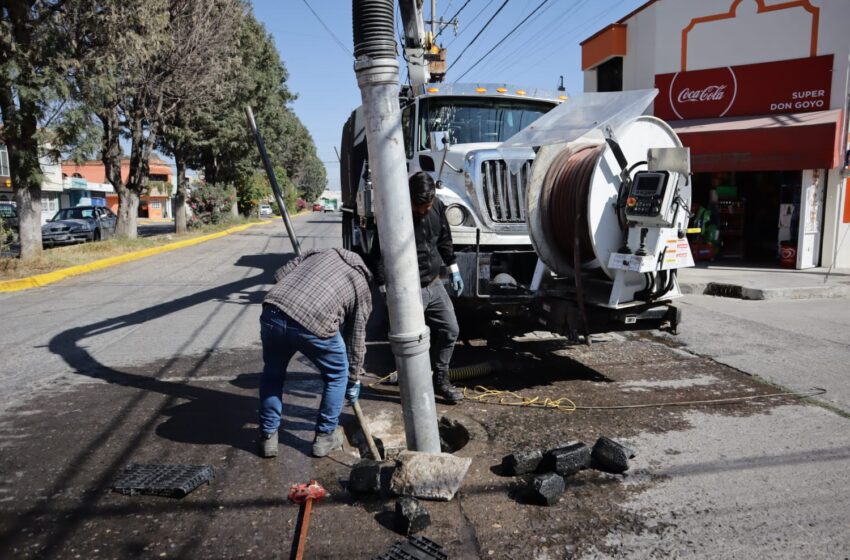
[{"x": 747, "y": 281}]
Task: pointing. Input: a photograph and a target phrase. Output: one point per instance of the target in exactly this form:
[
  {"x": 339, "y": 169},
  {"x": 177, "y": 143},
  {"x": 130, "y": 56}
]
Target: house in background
[
  {"x": 51, "y": 184},
  {"x": 155, "y": 205}
]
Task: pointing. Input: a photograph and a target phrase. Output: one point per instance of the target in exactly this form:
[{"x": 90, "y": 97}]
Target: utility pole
[{"x": 377, "y": 72}]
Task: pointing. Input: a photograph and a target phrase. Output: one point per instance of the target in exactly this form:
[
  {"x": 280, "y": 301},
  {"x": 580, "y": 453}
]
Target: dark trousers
[{"x": 440, "y": 318}]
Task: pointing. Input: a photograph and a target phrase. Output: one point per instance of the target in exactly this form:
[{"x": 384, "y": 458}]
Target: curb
[
  {"x": 737, "y": 291},
  {"x": 40, "y": 280}
]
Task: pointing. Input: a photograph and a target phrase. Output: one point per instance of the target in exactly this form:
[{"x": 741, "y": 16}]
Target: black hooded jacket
[{"x": 433, "y": 246}]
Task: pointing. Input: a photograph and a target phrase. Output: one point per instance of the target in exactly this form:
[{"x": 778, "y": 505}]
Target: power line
[
  {"x": 500, "y": 42},
  {"x": 489, "y": 21},
  {"x": 471, "y": 21},
  {"x": 328, "y": 29},
  {"x": 451, "y": 19}
]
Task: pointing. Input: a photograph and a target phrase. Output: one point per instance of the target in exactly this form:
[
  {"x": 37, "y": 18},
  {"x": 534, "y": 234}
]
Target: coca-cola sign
[{"x": 788, "y": 86}]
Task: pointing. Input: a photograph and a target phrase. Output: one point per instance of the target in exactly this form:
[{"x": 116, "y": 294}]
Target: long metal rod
[
  {"x": 267, "y": 163},
  {"x": 364, "y": 425}
]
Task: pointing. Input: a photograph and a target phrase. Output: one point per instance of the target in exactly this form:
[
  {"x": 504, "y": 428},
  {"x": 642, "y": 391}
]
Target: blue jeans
[{"x": 282, "y": 337}]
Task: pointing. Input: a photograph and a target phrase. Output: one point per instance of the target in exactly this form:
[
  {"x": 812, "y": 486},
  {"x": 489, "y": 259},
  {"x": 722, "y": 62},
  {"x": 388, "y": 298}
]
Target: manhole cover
[{"x": 173, "y": 481}]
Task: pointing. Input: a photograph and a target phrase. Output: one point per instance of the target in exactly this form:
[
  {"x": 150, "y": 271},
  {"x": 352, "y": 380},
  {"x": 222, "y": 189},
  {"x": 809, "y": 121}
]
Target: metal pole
[
  {"x": 433, "y": 16},
  {"x": 378, "y": 78},
  {"x": 267, "y": 163}
]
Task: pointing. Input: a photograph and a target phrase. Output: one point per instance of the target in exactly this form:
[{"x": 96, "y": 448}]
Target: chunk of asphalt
[
  {"x": 365, "y": 477},
  {"x": 410, "y": 516},
  {"x": 567, "y": 460},
  {"x": 521, "y": 462},
  {"x": 430, "y": 476},
  {"x": 545, "y": 489},
  {"x": 609, "y": 456}
]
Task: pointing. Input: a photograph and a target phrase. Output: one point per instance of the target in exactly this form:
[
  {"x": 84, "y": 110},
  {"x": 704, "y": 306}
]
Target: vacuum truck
[{"x": 571, "y": 212}]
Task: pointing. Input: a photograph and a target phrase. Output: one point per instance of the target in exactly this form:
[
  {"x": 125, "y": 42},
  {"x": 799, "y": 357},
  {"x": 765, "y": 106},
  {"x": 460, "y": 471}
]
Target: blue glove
[
  {"x": 457, "y": 283},
  {"x": 352, "y": 392}
]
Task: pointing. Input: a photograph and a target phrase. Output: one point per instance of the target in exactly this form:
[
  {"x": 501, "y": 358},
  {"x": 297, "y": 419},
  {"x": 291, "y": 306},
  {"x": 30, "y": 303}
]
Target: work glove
[
  {"x": 457, "y": 283},
  {"x": 352, "y": 392},
  {"x": 382, "y": 289}
]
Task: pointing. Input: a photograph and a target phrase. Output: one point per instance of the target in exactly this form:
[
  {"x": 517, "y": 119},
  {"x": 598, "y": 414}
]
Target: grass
[{"x": 72, "y": 255}]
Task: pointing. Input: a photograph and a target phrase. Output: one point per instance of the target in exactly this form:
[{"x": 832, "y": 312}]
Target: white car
[{"x": 265, "y": 210}]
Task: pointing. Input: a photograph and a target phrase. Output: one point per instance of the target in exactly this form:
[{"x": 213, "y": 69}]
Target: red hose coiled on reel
[{"x": 564, "y": 202}]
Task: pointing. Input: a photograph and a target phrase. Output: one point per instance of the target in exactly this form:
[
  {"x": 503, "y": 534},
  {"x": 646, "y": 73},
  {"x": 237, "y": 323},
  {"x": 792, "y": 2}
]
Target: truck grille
[{"x": 504, "y": 193}]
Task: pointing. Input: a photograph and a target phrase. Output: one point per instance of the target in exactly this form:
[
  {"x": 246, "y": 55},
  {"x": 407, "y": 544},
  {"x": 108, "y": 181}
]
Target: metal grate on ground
[
  {"x": 173, "y": 481},
  {"x": 415, "y": 548}
]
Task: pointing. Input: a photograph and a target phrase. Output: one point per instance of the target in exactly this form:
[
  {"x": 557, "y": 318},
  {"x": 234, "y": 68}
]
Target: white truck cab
[{"x": 452, "y": 132}]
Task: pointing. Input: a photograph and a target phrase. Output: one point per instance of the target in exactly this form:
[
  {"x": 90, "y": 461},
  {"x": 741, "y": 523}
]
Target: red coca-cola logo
[{"x": 707, "y": 92}]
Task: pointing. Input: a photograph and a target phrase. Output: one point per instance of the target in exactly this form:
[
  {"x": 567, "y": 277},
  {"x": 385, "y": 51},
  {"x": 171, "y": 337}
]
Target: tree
[
  {"x": 207, "y": 33},
  {"x": 35, "y": 53}
]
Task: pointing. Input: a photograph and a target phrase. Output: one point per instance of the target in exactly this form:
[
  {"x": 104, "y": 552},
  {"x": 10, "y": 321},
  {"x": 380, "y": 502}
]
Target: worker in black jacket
[{"x": 433, "y": 249}]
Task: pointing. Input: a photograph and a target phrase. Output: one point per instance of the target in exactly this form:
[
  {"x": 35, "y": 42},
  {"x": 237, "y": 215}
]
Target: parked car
[
  {"x": 9, "y": 216},
  {"x": 78, "y": 225},
  {"x": 265, "y": 210},
  {"x": 317, "y": 207}
]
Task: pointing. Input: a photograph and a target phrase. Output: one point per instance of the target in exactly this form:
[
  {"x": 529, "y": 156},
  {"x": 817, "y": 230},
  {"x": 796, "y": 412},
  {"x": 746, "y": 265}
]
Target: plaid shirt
[{"x": 323, "y": 289}]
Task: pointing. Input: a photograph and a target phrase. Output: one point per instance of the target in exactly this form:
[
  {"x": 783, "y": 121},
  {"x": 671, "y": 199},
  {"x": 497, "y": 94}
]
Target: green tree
[{"x": 36, "y": 54}]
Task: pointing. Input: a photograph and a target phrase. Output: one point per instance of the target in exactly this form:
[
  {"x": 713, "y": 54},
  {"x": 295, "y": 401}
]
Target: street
[{"x": 158, "y": 361}]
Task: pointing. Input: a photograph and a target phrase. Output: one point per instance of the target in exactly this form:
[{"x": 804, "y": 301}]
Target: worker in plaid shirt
[{"x": 319, "y": 307}]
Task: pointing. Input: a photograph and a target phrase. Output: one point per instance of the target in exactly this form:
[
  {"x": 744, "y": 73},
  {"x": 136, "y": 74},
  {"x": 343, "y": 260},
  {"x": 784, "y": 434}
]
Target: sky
[{"x": 317, "y": 52}]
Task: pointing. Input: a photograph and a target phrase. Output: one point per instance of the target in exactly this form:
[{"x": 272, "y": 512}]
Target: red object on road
[
  {"x": 318, "y": 207},
  {"x": 304, "y": 494}
]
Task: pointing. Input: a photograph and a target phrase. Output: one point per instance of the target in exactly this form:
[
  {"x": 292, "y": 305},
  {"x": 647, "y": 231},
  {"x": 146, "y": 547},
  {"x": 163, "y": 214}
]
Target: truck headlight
[{"x": 456, "y": 215}]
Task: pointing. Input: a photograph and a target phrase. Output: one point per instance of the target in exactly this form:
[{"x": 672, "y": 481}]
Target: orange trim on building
[
  {"x": 761, "y": 8},
  {"x": 603, "y": 45},
  {"x": 847, "y": 201}
]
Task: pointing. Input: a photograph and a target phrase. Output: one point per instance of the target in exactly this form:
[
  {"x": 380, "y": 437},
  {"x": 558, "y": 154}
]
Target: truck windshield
[{"x": 477, "y": 119}]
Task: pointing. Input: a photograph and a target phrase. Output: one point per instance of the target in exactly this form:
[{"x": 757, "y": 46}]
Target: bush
[{"x": 211, "y": 204}]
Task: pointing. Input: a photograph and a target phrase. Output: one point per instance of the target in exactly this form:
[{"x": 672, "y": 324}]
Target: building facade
[
  {"x": 758, "y": 89},
  {"x": 98, "y": 190},
  {"x": 51, "y": 184}
]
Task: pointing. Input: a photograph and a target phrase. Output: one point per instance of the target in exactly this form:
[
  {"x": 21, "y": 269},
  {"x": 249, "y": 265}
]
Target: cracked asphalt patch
[{"x": 61, "y": 450}]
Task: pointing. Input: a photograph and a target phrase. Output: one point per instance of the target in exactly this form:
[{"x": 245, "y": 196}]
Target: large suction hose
[{"x": 373, "y": 29}]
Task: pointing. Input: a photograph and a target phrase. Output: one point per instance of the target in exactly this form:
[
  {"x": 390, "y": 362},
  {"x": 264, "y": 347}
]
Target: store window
[
  {"x": 609, "y": 75},
  {"x": 4, "y": 161},
  {"x": 49, "y": 203},
  {"x": 156, "y": 204}
]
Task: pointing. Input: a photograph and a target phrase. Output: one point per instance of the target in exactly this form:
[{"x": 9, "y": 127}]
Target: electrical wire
[
  {"x": 501, "y": 41},
  {"x": 451, "y": 19},
  {"x": 471, "y": 21},
  {"x": 328, "y": 29},
  {"x": 489, "y": 21}
]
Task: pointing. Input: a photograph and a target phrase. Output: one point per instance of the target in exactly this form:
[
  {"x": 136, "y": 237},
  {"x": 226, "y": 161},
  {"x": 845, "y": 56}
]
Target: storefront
[{"x": 757, "y": 90}]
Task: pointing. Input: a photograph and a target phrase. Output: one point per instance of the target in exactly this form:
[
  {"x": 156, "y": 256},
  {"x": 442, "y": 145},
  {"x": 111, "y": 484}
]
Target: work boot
[
  {"x": 325, "y": 443},
  {"x": 268, "y": 445},
  {"x": 444, "y": 388}
]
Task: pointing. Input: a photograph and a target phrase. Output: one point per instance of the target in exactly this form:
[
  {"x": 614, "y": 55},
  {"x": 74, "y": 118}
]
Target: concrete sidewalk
[{"x": 759, "y": 283}]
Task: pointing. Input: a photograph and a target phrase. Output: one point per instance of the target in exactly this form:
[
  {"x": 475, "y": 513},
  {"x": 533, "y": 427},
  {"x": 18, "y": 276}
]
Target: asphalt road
[{"x": 157, "y": 361}]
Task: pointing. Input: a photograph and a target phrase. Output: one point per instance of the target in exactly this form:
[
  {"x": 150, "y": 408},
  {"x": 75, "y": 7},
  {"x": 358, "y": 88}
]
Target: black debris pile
[
  {"x": 554, "y": 466},
  {"x": 172, "y": 481},
  {"x": 410, "y": 516}
]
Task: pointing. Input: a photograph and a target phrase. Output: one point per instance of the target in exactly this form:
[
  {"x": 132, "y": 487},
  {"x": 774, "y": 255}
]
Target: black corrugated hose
[{"x": 374, "y": 28}]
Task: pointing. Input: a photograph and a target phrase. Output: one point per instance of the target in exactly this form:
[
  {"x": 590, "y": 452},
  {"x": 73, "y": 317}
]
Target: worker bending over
[
  {"x": 433, "y": 249},
  {"x": 315, "y": 294}
]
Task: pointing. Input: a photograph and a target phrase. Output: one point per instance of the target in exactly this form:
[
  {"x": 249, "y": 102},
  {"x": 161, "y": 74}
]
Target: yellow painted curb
[{"x": 50, "y": 277}]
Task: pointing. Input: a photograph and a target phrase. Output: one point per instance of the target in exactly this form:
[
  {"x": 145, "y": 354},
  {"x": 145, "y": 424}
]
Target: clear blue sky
[{"x": 321, "y": 72}]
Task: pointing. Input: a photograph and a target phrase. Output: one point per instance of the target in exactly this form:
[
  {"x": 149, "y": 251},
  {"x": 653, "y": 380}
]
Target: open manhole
[{"x": 388, "y": 433}]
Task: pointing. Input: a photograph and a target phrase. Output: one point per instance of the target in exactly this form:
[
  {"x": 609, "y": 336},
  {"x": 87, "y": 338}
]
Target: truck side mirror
[{"x": 439, "y": 140}]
